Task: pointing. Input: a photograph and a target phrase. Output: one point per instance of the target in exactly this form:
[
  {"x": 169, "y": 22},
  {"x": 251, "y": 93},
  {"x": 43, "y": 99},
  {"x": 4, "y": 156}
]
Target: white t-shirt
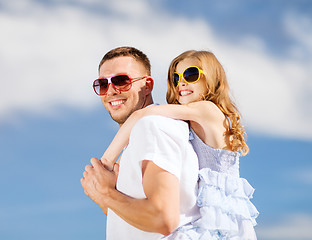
[{"x": 165, "y": 142}]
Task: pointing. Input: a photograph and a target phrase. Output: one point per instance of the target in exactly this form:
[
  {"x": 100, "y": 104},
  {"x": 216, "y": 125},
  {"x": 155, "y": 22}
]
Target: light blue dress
[{"x": 223, "y": 198}]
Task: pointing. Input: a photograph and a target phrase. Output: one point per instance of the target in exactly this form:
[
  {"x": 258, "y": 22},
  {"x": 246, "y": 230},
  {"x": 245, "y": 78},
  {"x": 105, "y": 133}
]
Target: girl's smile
[{"x": 185, "y": 92}]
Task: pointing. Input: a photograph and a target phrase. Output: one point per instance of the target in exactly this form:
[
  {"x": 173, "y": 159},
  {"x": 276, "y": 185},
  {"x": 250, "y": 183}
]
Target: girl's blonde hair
[{"x": 217, "y": 92}]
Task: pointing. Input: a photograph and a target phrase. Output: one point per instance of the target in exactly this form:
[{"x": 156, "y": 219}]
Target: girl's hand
[{"x": 107, "y": 164}]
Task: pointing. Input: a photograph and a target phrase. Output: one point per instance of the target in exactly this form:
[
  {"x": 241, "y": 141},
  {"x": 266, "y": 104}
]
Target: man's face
[{"x": 121, "y": 105}]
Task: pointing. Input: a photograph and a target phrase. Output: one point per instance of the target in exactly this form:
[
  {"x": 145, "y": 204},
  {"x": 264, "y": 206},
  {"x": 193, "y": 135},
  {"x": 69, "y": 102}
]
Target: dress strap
[
  {"x": 191, "y": 133},
  {"x": 230, "y": 123}
]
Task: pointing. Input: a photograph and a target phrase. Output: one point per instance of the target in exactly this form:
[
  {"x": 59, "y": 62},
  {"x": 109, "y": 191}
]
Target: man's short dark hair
[{"x": 128, "y": 52}]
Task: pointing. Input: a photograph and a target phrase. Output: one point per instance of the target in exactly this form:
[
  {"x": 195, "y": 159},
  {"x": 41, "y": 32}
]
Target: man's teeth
[
  {"x": 183, "y": 93},
  {"x": 115, "y": 103}
]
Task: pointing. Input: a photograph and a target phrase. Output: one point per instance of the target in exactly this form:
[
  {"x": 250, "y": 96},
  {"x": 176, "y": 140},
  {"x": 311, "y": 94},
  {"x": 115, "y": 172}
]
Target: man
[{"x": 154, "y": 191}]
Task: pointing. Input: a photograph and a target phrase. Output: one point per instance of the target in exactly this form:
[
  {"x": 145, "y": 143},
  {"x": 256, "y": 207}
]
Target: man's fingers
[
  {"x": 88, "y": 168},
  {"x": 85, "y": 191},
  {"x": 95, "y": 162},
  {"x": 83, "y": 182},
  {"x": 116, "y": 168}
]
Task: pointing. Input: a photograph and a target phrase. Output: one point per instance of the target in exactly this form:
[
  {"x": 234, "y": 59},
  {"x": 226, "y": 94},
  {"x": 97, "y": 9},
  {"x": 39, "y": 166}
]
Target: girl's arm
[{"x": 192, "y": 112}]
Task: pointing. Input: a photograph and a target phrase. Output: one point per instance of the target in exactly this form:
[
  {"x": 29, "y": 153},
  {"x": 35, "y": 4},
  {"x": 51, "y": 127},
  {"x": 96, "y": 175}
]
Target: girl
[{"x": 198, "y": 92}]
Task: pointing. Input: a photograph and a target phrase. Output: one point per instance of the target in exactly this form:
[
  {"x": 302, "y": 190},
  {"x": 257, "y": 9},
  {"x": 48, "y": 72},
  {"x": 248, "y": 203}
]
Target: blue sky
[{"x": 51, "y": 122}]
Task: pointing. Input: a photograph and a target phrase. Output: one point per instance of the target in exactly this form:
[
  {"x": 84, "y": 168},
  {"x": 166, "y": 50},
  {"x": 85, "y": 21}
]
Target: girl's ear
[{"x": 149, "y": 85}]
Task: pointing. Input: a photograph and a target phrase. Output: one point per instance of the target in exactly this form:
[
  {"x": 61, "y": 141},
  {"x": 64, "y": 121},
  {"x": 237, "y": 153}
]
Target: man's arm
[{"x": 158, "y": 212}]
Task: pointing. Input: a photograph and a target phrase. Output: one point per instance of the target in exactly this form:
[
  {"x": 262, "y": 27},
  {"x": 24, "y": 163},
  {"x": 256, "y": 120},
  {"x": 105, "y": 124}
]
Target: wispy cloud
[
  {"x": 302, "y": 176},
  {"x": 293, "y": 227},
  {"x": 49, "y": 56}
]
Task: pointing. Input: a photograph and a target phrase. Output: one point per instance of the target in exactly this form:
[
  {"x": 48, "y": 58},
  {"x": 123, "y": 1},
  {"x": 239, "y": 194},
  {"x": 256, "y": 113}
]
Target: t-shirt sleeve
[{"x": 161, "y": 140}]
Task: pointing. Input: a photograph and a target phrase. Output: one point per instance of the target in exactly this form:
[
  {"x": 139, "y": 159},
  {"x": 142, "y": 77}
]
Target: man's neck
[{"x": 148, "y": 102}]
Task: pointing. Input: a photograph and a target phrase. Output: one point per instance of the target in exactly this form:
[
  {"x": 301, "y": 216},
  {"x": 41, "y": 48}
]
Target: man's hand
[{"x": 98, "y": 181}]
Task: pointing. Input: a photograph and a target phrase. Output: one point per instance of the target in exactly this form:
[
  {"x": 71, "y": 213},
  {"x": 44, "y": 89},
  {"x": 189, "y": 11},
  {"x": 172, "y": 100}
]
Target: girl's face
[{"x": 190, "y": 92}]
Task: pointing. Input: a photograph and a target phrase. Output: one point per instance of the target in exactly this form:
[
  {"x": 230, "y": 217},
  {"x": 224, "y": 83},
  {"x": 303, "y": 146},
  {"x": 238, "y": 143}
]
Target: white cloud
[
  {"x": 303, "y": 176},
  {"x": 49, "y": 57},
  {"x": 293, "y": 227},
  {"x": 46, "y": 59}
]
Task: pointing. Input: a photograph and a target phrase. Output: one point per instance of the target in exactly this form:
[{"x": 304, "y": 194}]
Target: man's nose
[{"x": 111, "y": 90}]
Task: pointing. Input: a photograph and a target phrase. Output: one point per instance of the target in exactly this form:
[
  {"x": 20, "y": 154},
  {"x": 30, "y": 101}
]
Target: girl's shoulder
[
  {"x": 208, "y": 109},
  {"x": 205, "y": 105}
]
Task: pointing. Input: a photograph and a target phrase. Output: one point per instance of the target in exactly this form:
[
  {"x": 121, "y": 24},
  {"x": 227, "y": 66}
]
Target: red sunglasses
[{"x": 121, "y": 83}]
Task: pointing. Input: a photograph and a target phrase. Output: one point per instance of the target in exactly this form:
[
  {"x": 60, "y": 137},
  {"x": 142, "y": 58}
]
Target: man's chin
[{"x": 120, "y": 119}]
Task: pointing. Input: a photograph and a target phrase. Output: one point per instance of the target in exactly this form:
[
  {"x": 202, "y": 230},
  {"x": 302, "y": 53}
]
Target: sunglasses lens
[
  {"x": 176, "y": 78},
  {"x": 122, "y": 82},
  {"x": 191, "y": 74},
  {"x": 100, "y": 86}
]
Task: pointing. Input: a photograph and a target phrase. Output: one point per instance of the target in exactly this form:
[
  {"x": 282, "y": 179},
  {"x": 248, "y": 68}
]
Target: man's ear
[{"x": 149, "y": 85}]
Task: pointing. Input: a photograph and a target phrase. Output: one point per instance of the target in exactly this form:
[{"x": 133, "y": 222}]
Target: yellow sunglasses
[{"x": 190, "y": 75}]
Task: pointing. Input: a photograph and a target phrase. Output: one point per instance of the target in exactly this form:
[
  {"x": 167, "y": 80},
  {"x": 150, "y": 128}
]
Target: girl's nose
[{"x": 183, "y": 82}]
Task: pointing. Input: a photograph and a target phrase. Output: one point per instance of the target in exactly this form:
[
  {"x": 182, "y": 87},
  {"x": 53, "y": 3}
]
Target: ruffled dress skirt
[{"x": 225, "y": 208}]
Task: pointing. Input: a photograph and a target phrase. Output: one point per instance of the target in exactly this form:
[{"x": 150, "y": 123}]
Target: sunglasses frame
[
  {"x": 181, "y": 75},
  {"x": 109, "y": 79}
]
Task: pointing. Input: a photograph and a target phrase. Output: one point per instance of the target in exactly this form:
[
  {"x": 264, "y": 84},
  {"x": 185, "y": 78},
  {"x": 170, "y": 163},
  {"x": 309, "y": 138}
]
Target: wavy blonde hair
[{"x": 217, "y": 92}]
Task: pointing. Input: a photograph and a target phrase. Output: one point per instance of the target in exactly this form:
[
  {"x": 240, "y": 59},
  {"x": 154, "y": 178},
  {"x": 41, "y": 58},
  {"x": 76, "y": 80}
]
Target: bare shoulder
[
  {"x": 207, "y": 110},
  {"x": 203, "y": 105}
]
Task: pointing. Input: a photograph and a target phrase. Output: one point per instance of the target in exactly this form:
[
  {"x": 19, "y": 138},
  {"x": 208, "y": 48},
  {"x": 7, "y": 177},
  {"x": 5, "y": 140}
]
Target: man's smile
[{"x": 117, "y": 103}]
